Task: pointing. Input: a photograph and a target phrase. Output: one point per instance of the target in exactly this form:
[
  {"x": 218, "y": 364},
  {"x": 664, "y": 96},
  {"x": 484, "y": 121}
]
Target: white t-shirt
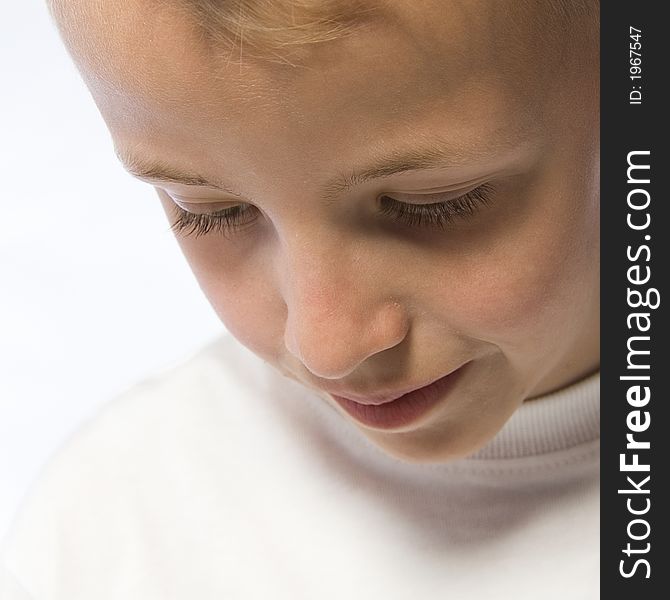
[{"x": 222, "y": 479}]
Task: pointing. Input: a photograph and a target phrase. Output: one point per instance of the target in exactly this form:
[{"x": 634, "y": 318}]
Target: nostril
[
  {"x": 335, "y": 344},
  {"x": 291, "y": 342}
]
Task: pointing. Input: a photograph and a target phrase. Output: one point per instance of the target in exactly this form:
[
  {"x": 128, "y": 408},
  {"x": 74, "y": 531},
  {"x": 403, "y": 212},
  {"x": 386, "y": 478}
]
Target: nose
[{"x": 338, "y": 316}]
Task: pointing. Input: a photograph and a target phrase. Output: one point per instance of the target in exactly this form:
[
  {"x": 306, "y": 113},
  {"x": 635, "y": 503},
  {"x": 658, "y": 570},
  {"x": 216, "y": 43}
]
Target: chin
[{"x": 429, "y": 446}]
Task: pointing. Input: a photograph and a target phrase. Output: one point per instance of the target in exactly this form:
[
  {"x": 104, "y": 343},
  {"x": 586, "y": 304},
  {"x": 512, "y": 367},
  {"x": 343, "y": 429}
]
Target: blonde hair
[
  {"x": 262, "y": 29},
  {"x": 270, "y": 29},
  {"x": 277, "y": 29}
]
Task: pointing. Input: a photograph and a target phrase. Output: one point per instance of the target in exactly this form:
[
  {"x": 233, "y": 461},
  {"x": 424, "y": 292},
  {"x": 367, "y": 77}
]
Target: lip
[
  {"x": 380, "y": 398},
  {"x": 399, "y": 409}
]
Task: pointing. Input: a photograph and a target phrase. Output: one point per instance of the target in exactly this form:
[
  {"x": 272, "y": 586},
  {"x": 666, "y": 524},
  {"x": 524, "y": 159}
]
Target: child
[{"x": 393, "y": 208}]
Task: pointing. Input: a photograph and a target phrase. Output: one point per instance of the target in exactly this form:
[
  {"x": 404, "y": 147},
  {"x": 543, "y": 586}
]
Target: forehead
[
  {"x": 483, "y": 65},
  {"x": 150, "y": 44}
]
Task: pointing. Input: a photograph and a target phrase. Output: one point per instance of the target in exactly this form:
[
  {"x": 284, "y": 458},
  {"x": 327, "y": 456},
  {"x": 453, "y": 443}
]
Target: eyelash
[
  {"x": 224, "y": 221},
  {"x": 438, "y": 214},
  {"x": 435, "y": 215}
]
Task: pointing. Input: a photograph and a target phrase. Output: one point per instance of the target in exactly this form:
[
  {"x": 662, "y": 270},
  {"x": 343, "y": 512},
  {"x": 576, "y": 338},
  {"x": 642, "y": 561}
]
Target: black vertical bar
[{"x": 635, "y": 255}]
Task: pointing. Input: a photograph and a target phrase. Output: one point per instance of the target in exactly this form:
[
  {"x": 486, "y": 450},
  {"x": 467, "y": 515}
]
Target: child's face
[{"x": 354, "y": 296}]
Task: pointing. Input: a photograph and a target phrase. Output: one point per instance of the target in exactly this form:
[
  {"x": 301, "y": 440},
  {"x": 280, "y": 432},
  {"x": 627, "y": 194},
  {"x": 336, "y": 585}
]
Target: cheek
[
  {"x": 517, "y": 304},
  {"x": 241, "y": 292},
  {"x": 534, "y": 290},
  {"x": 242, "y": 295},
  {"x": 249, "y": 308}
]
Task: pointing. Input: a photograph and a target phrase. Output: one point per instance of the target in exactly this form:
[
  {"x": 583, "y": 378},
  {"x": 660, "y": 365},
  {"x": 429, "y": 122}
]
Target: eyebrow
[
  {"x": 157, "y": 170},
  {"x": 431, "y": 155}
]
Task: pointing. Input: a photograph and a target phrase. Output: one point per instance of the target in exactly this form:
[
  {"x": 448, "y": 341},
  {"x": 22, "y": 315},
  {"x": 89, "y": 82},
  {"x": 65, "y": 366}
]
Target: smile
[{"x": 401, "y": 410}]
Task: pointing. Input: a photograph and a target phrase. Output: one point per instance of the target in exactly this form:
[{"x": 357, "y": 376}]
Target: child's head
[{"x": 378, "y": 195}]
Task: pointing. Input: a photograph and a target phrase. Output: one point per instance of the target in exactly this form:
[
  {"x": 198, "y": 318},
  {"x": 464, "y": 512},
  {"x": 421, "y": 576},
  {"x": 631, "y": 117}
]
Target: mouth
[{"x": 400, "y": 409}]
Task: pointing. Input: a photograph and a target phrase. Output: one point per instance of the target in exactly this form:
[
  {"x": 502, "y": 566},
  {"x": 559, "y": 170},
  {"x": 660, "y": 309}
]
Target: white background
[{"x": 94, "y": 293}]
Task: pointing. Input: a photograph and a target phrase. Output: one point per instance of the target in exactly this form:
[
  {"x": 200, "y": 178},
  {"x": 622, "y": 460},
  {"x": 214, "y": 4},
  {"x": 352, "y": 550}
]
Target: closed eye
[
  {"x": 437, "y": 214},
  {"x": 225, "y": 221},
  {"x": 434, "y": 215}
]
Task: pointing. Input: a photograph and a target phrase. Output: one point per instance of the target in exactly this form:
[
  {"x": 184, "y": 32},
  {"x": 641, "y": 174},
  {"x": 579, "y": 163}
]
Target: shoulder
[
  {"x": 132, "y": 451},
  {"x": 158, "y": 405},
  {"x": 10, "y": 587},
  {"x": 165, "y": 403}
]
